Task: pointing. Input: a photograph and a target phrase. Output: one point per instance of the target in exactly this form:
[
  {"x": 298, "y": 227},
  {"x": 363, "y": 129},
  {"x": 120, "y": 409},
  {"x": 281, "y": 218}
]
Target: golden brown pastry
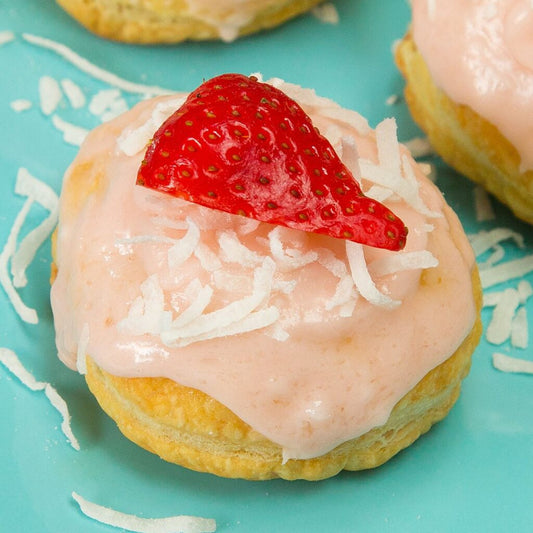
[
  {"x": 163, "y": 21},
  {"x": 332, "y": 365}
]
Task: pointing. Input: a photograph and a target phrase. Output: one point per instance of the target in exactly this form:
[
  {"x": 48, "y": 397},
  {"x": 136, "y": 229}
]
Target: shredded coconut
[
  {"x": 73, "y": 93},
  {"x": 108, "y": 104},
  {"x": 133, "y": 141},
  {"x": 6, "y": 36},
  {"x": 59, "y": 403},
  {"x": 326, "y": 13},
  {"x": 50, "y": 94},
  {"x": 520, "y": 329},
  {"x": 362, "y": 279},
  {"x": 233, "y": 251},
  {"x": 11, "y": 361},
  {"x": 35, "y": 191},
  {"x": 96, "y": 72},
  {"x": 398, "y": 262},
  {"x": 485, "y": 240},
  {"x": 20, "y": 105},
  {"x": 184, "y": 247},
  {"x": 483, "y": 205},
  {"x": 499, "y": 328},
  {"x": 507, "y": 271},
  {"x": 81, "y": 364},
  {"x": 419, "y": 147},
  {"x": 72, "y": 134},
  {"x": 506, "y": 363},
  {"x": 173, "y": 524}
]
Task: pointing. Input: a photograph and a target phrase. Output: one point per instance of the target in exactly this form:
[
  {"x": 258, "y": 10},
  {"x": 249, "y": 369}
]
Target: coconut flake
[
  {"x": 72, "y": 134},
  {"x": 233, "y": 251},
  {"x": 498, "y": 253},
  {"x": 379, "y": 193},
  {"x": 59, "y": 403},
  {"x": 11, "y": 361},
  {"x": 524, "y": 289},
  {"x": 390, "y": 264},
  {"x": 81, "y": 355},
  {"x": 147, "y": 314},
  {"x": 96, "y": 72},
  {"x": 485, "y": 240},
  {"x": 362, "y": 279},
  {"x": 387, "y": 145},
  {"x": 34, "y": 190},
  {"x": 499, "y": 328},
  {"x": 345, "y": 295},
  {"x": 173, "y": 524},
  {"x": 326, "y": 13},
  {"x": 184, "y": 247},
  {"x": 234, "y": 317},
  {"x": 507, "y": 271},
  {"x": 253, "y": 321},
  {"x": 392, "y": 99},
  {"x": 108, "y": 104},
  {"x": 199, "y": 301},
  {"x": 133, "y": 141},
  {"x": 50, "y": 94},
  {"x": 505, "y": 363},
  {"x": 73, "y": 93},
  {"x": 209, "y": 260},
  {"x": 519, "y": 329},
  {"x": 419, "y": 147},
  {"x": 6, "y": 36},
  {"x": 483, "y": 205},
  {"x": 290, "y": 259},
  {"x": 20, "y": 105}
]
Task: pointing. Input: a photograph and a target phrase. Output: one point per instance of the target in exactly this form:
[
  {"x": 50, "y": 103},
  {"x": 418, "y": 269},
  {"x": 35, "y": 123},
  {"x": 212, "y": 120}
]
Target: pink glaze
[
  {"x": 480, "y": 52},
  {"x": 326, "y": 369},
  {"x": 229, "y": 16}
]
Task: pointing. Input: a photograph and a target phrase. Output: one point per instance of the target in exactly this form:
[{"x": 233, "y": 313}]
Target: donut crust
[
  {"x": 465, "y": 140},
  {"x": 187, "y": 427},
  {"x": 160, "y": 21}
]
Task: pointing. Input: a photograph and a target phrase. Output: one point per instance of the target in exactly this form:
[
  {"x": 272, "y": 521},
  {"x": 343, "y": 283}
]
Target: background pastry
[
  {"x": 163, "y": 21},
  {"x": 469, "y": 78}
]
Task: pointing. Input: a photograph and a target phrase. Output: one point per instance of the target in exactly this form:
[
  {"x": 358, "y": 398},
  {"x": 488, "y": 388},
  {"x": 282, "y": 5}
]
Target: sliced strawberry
[{"x": 245, "y": 147}]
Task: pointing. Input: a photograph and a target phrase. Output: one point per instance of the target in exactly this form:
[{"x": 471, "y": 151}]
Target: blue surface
[{"x": 472, "y": 473}]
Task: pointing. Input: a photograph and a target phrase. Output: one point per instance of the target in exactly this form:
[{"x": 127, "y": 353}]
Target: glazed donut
[
  {"x": 158, "y": 21},
  {"x": 469, "y": 73},
  {"x": 345, "y": 352}
]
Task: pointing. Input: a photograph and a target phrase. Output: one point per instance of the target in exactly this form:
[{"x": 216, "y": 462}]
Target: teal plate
[{"x": 471, "y": 473}]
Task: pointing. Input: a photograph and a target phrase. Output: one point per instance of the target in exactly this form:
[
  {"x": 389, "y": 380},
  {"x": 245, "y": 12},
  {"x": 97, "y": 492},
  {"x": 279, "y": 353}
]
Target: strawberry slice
[{"x": 242, "y": 146}]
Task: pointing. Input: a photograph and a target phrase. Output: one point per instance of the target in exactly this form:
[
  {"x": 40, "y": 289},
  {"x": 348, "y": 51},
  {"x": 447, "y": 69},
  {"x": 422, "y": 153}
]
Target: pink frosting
[
  {"x": 480, "y": 52},
  {"x": 325, "y": 365}
]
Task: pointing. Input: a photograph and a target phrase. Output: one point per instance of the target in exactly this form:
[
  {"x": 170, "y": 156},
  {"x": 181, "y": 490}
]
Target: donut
[
  {"x": 469, "y": 77},
  {"x": 172, "y": 21},
  {"x": 231, "y": 340}
]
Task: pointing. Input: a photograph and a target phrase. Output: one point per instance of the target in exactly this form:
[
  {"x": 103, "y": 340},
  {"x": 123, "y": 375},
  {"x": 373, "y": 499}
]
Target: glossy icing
[
  {"x": 321, "y": 364},
  {"x": 480, "y": 52}
]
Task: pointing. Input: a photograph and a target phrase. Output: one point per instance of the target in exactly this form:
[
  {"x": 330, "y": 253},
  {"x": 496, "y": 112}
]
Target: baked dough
[
  {"x": 172, "y": 21},
  {"x": 187, "y": 427},
  {"x": 465, "y": 140}
]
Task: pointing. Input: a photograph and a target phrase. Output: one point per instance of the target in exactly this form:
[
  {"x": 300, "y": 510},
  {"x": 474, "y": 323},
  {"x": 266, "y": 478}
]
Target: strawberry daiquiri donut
[{"x": 235, "y": 280}]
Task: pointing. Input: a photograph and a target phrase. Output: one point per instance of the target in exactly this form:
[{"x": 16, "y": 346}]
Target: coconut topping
[{"x": 230, "y": 305}]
